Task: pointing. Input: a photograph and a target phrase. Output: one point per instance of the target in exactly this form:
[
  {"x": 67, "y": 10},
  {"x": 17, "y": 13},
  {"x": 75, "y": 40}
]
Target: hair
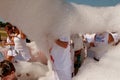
[
  {"x": 6, "y": 68},
  {"x": 15, "y": 29},
  {"x": 8, "y": 23},
  {"x": 8, "y": 26}
]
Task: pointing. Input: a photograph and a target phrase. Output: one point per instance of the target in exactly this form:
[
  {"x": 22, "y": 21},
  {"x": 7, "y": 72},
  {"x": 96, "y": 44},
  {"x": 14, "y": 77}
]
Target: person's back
[
  {"x": 62, "y": 53},
  {"x": 101, "y": 42},
  {"x": 101, "y": 39},
  {"x": 62, "y": 58}
]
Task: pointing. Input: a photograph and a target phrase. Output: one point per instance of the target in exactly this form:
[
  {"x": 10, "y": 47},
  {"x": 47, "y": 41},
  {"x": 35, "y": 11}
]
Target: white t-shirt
[
  {"x": 89, "y": 37},
  {"x": 101, "y": 39},
  {"x": 115, "y": 36},
  {"x": 11, "y": 51},
  {"x": 9, "y": 41},
  {"x": 20, "y": 44},
  {"x": 62, "y": 60},
  {"x": 21, "y": 48}
]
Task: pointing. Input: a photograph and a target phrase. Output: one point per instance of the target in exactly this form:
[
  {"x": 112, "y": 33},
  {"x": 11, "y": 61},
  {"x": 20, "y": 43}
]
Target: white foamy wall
[{"x": 46, "y": 20}]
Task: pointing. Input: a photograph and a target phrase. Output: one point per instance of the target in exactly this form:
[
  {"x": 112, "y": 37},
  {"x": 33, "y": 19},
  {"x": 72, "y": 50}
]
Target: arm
[
  {"x": 61, "y": 43},
  {"x": 11, "y": 42},
  {"x": 23, "y": 36},
  {"x": 115, "y": 44}
]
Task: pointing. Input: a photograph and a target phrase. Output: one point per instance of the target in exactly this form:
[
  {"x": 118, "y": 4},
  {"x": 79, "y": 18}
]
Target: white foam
[{"x": 45, "y": 20}]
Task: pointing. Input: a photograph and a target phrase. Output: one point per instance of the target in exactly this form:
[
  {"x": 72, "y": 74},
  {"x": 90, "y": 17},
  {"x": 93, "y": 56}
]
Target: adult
[
  {"x": 62, "y": 58},
  {"x": 21, "y": 49},
  {"x": 79, "y": 52},
  {"x": 9, "y": 42},
  {"x": 102, "y": 41}
]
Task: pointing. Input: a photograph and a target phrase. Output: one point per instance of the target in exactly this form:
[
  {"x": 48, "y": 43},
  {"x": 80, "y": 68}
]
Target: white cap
[
  {"x": 65, "y": 39},
  {"x": 115, "y": 36}
]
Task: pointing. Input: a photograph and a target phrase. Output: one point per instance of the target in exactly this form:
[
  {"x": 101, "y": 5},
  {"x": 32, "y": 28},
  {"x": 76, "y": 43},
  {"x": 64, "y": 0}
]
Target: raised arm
[
  {"x": 61, "y": 43},
  {"x": 23, "y": 36}
]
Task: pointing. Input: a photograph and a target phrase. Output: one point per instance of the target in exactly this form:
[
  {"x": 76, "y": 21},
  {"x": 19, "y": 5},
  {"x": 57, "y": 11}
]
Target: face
[
  {"x": 10, "y": 77},
  {"x": 15, "y": 30},
  {"x": 10, "y": 32},
  {"x": 6, "y": 29}
]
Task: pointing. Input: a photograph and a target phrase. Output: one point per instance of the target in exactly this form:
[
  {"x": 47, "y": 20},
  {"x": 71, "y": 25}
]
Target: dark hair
[
  {"x": 8, "y": 23},
  {"x": 8, "y": 26},
  {"x": 15, "y": 28},
  {"x": 6, "y": 68},
  {"x": 28, "y": 40}
]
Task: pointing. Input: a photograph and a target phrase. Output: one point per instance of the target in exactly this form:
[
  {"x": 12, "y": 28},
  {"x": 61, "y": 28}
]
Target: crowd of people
[
  {"x": 67, "y": 53},
  {"x": 17, "y": 50},
  {"x": 16, "y": 42},
  {"x": 99, "y": 42},
  {"x": 64, "y": 52}
]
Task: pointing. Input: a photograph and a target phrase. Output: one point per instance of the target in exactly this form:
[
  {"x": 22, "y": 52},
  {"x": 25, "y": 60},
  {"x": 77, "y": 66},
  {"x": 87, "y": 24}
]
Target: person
[
  {"x": 62, "y": 58},
  {"x": 9, "y": 42},
  {"x": 7, "y": 70},
  {"x": 22, "y": 51},
  {"x": 79, "y": 54},
  {"x": 72, "y": 56},
  {"x": 116, "y": 38},
  {"x": 102, "y": 41},
  {"x": 88, "y": 40},
  {"x": 8, "y": 25}
]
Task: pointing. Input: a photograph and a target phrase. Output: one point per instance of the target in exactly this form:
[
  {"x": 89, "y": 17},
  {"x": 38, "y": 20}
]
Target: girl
[{"x": 21, "y": 49}]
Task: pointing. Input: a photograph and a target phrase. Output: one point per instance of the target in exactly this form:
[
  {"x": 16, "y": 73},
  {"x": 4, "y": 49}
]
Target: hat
[
  {"x": 64, "y": 39},
  {"x": 115, "y": 36}
]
